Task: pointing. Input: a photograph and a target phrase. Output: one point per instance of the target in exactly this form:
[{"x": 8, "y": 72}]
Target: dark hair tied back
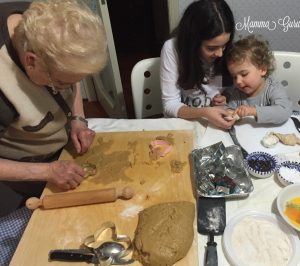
[{"x": 202, "y": 20}]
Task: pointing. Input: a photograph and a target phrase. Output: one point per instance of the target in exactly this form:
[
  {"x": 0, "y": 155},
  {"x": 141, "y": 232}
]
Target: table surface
[{"x": 262, "y": 199}]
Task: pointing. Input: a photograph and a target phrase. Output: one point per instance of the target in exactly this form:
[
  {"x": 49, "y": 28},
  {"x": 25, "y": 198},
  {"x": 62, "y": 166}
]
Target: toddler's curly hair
[{"x": 254, "y": 48}]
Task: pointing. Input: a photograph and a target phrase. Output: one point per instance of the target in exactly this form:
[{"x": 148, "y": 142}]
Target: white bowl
[
  {"x": 286, "y": 194},
  {"x": 231, "y": 254},
  {"x": 288, "y": 173},
  {"x": 260, "y": 164}
]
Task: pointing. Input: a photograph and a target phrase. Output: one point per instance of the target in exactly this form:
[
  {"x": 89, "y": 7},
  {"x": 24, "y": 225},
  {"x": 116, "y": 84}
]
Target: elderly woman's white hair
[{"x": 66, "y": 35}]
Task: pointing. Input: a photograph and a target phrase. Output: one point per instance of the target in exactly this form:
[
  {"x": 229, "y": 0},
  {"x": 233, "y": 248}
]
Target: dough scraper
[{"x": 211, "y": 220}]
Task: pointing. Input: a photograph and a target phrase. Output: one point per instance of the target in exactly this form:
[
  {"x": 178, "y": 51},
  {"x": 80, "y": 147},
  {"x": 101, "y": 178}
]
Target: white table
[
  {"x": 265, "y": 190},
  {"x": 263, "y": 197},
  {"x": 118, "y": 125}
]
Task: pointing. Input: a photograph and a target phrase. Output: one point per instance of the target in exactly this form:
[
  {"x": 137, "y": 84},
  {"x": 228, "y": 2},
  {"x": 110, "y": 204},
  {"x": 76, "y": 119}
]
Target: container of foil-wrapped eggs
[{"x": 219, "y": 171}]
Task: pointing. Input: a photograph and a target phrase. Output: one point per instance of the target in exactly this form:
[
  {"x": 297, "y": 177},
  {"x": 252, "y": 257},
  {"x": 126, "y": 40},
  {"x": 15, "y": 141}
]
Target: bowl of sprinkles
[
  {"x": 260, "y": 164},
  {"x": 288, "y": 205},
  {"x": 288, "y": 173}
]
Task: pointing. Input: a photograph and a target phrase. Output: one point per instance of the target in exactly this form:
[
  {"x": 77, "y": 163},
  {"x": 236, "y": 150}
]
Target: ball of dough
[
  {"x": 164, "y": 233},
  {"x": 269, "y": 140},
  {"x": 232, "y": 115}
]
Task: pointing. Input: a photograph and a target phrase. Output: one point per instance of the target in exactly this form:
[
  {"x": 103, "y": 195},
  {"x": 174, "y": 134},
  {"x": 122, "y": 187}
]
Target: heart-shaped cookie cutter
[{"x": 96, "y": 242}]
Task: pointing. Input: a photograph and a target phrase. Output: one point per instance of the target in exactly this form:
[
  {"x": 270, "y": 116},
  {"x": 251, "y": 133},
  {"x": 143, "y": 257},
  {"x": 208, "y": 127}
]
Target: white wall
[{"x": 270, "y": 13}]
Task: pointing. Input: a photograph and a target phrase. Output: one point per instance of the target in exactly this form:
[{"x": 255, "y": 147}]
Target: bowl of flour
[{"x": 256, "y": 238}]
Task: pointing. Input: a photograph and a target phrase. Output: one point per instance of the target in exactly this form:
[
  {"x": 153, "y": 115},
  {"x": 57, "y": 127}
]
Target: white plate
[
  {"x": 247, "y": 129},
  {"x": 229, "y": 249},
  {"x": 249, "y": 133}
]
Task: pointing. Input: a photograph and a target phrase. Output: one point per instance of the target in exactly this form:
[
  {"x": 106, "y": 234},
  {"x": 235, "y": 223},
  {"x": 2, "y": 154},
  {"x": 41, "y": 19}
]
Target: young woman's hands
[
  {"x": 81, "y": 136},
  {"x": 216, "y": 116},
  {"x": 219, "y": 100}
]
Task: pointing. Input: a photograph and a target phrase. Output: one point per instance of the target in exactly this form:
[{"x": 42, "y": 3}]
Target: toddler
[{"x": 251, "y": 62}]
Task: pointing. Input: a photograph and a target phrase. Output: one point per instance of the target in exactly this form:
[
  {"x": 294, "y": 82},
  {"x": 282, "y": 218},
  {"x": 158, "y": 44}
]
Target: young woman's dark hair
[{"x": 202, "y": 20}]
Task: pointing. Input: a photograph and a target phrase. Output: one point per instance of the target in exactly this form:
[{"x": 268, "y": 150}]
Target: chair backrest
[
  {"x": 145, "y": 84},
  {"x": 287, "y": 72}
]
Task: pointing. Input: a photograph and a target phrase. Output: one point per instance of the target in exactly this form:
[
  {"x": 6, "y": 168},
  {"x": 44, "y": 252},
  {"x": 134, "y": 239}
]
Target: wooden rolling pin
[{"x": 60, "y": 200}]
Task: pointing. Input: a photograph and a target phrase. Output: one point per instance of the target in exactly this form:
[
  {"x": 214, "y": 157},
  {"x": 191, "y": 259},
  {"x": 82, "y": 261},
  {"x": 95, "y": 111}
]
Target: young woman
[{"x": 192, "y": 74}]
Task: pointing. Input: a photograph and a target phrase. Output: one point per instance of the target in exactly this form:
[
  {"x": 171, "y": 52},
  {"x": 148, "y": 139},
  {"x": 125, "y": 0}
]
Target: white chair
[
  {"x": 287, "y": 72},
  {"x": 145, "y": 84}
]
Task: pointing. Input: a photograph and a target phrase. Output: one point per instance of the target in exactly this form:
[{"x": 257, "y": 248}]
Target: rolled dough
[{"x": 164, "y": 233}]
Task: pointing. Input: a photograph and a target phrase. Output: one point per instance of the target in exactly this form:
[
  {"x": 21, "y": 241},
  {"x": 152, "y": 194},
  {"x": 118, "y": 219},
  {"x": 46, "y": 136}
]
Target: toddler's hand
[
  {"x": 232, "y": 115},
  {"x": 219, "y": 100},
  {"x": 245, "y": 110}
]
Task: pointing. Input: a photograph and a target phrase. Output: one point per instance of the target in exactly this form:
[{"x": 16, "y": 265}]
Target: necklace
[
  {"x": 209, "y": 73},
  {"x": 54, "y": 91}
]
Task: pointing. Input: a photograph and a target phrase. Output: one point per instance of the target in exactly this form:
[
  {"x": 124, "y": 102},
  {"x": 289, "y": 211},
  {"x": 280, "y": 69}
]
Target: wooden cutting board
[{"x": 122, "y": 159}]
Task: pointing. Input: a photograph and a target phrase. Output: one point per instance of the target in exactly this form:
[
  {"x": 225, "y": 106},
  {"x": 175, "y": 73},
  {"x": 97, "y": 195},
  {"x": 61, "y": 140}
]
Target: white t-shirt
[{"x": 173, "y": 96}]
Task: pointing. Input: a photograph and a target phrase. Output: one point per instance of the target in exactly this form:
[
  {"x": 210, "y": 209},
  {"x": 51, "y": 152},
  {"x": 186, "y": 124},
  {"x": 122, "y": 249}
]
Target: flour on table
[
  {"x": 156, "y": 187},
  {"x": 258, "y": 242},
  {"x": 213, "y": 220},
  {"x": 132, "y": 211}
]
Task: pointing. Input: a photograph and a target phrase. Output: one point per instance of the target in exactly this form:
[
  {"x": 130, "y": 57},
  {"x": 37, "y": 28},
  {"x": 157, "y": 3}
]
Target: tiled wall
[{"x": 272, "y": 16}]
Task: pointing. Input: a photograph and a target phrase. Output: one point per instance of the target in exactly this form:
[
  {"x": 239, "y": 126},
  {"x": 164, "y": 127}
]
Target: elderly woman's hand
[
  {"x": 65, "y": 174},
  {"x": 81, "y": 136}
]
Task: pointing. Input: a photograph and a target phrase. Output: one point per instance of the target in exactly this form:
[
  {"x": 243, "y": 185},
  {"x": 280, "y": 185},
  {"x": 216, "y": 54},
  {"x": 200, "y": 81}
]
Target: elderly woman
[{"x": 46, "y": 48}]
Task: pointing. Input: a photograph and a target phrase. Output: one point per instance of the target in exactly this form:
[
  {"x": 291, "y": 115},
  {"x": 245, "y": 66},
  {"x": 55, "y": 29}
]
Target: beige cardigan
[{"x": 40, "y": 129}]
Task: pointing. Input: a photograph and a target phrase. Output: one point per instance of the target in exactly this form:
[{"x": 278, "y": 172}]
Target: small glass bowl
[
  {"x": 288, "y": 173},
  {"x": 260, "y": 164},
  {"x": 286, "y": 194}
]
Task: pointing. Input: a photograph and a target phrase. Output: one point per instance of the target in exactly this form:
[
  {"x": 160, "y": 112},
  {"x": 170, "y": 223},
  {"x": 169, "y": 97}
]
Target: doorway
[{"x": 139, "y": 27}]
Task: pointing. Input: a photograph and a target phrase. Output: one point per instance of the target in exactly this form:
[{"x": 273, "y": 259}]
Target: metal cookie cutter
[
  {"x": 159, "y": 148},
  {"x": 109, "y": 251},
  {"x": 98, "y": 248},
  {"x": 89, "y": 169}
]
